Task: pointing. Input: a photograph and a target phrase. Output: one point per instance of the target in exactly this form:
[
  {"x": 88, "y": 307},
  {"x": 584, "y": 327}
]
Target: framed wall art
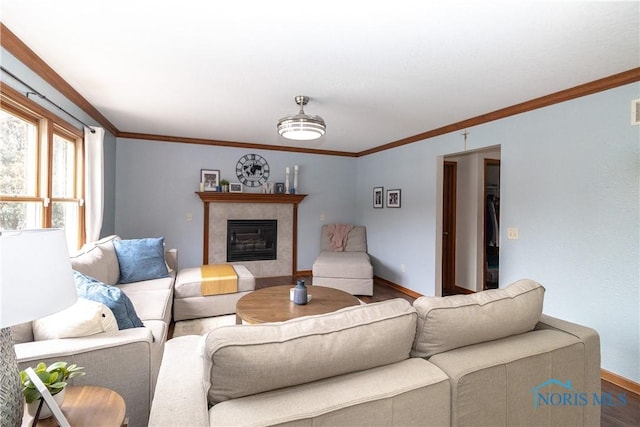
[
  {"x": 210, "y": 179},
  {"x": 378, "y": 197},
  {"x": 280, "y": 188},
  {"x": 235, "y": 187},
  {"x": 393, "y": 198}
]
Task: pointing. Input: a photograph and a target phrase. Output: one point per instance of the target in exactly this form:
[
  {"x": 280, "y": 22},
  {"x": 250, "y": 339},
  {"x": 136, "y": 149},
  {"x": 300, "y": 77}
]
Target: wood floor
[{"x": 621, "y": 416}]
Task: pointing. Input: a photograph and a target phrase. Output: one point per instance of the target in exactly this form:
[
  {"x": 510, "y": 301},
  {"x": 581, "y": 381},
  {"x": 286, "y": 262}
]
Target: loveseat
[
  {"x": 124, "y": 360},
  {"x": 490, "y": 358}
]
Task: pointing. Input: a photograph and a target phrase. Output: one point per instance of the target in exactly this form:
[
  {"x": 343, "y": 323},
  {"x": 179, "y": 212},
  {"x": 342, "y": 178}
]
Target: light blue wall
[
  {"x": 570, "y": 181},
  {"x": 25, "y": 74},
  {"x": 156, "y": 182}
]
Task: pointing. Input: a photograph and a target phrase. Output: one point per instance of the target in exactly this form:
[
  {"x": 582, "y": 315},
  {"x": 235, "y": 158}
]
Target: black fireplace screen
[{"x": 252, "y": 239}]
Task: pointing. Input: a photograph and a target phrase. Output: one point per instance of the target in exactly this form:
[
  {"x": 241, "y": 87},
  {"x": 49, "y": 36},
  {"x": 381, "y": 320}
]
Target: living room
[{"x": 569, "y": 185}]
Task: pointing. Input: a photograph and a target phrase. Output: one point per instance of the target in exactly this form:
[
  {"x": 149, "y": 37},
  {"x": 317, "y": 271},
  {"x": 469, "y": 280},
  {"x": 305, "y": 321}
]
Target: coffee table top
[{"x": 272, "y": 304}]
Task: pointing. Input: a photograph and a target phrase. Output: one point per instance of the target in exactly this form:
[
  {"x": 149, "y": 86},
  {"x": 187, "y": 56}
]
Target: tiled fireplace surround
[
  {"x": 220, "y": 207},
  {"x": 219, "y": 213}
]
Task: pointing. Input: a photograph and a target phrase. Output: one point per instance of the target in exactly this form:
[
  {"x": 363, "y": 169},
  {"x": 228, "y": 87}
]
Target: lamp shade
[{"x": 35, "y": 275}]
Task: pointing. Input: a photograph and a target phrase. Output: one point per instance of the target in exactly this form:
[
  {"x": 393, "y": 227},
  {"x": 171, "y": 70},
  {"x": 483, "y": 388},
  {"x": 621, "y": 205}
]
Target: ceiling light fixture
[{"x": 300, "y": 126}]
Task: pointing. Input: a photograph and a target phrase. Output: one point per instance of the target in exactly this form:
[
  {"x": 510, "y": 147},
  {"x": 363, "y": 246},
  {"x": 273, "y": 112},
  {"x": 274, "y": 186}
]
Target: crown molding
[
  {"x": 610, "y": 82},
  {"x": 23, "y": 53}
]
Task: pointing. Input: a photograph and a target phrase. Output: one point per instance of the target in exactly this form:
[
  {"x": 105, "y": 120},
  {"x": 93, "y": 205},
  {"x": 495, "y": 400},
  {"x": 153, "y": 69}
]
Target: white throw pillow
[{"x": 82, "y": 319}]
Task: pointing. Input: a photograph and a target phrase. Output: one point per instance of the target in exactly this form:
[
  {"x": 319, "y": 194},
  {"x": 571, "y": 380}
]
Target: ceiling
[{"x": 377, "y": 72}]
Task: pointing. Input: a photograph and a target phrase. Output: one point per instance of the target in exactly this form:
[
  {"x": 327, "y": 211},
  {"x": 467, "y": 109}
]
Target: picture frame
[
  {"x": 235, "y": 187},
  {"x": 393, "y": 198},
  {"x": 210, "y": 178},
  {"x": 378, "y": 197},
  {"x": 279, "y": 187}
]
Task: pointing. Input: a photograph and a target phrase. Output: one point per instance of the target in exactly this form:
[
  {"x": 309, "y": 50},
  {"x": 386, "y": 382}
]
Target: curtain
[{"x": 93, "y": 182}]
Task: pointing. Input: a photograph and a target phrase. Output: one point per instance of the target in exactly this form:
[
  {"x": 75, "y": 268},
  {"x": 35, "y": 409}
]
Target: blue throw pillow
[
  {"x": 141, "y": 259},
  {"x": 119, "y": 303}
]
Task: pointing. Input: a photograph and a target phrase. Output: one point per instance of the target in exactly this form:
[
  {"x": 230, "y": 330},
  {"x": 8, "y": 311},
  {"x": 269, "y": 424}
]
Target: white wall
[
  {"x": 570, "y": 181},
  {"x": 156, "y": 184}
]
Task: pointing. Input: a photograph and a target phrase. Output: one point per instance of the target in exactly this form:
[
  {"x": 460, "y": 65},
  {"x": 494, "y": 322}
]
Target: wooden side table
[{"x": 87, "y": 406}]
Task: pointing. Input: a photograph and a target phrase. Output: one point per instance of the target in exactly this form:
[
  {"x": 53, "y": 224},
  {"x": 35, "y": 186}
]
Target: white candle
[
  {"x": 286, "y": 169},
  {"x": 295, "y": 177},
  {"x": 295, "y": 168}
]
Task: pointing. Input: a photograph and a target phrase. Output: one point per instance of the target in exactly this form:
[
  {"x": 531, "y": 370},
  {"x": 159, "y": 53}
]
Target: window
[{"x": 41, "y": 182}]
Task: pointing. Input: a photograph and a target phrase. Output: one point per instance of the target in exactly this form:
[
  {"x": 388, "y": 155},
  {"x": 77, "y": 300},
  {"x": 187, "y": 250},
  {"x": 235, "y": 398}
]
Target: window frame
[{"x": 47, "y": 125}]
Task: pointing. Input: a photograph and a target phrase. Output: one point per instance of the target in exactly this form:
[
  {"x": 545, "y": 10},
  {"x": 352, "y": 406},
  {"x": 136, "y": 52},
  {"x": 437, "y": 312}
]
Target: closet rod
[{"x": 35, "y": 92}]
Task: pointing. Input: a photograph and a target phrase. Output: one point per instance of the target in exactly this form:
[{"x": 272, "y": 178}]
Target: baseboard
[
  {"x": 402, "y": 289},
  {"x": 303, "y": 273},
  {"x": 622, "y": 382}
]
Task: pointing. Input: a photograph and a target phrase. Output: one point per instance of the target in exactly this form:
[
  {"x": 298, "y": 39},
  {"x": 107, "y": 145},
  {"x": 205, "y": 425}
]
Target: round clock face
[{"x": 252, "y": 170}]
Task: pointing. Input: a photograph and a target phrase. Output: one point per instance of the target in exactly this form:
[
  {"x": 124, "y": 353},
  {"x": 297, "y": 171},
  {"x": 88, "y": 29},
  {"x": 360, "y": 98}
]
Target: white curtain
[{"x": 93, "y": 182}]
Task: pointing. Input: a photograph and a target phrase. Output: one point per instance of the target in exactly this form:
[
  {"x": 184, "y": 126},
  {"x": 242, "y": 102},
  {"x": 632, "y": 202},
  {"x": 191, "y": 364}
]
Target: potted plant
[
  {"x": 225, "y": 185},
  {"x": 54, "y": 377}
]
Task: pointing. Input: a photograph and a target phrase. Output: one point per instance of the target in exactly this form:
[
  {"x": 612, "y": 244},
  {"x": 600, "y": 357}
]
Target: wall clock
[{"x": 252, "y": 170}]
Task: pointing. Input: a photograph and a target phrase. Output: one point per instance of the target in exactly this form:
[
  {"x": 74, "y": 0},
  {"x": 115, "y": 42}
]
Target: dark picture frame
[
  {"x": 393, "y": 198},
  {"x": 210, "y": 178},
  {"x": 280, "y": 188},
  {"x": 235, "y": 187},
  {"x": 378, "y": 197}
]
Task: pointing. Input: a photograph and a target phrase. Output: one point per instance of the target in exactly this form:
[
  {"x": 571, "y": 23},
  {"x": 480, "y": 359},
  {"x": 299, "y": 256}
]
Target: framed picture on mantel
[{"x": 210, "y": 179}]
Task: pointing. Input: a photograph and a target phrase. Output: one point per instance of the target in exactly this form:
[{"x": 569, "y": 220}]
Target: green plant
[
  {"x": 54, "y": 377},
  {"x": 224, "y": 182}
]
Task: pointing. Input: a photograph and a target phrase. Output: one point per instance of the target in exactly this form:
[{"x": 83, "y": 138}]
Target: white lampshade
[{"x": 35, "y": 275}]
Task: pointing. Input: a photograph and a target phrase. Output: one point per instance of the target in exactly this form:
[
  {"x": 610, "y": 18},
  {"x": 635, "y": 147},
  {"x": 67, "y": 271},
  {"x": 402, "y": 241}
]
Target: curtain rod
[{"x": 35, "y": 92}]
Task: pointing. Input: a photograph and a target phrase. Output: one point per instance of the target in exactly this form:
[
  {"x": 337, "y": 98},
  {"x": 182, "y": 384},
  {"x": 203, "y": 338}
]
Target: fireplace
[{"x": 252, "y": 239}]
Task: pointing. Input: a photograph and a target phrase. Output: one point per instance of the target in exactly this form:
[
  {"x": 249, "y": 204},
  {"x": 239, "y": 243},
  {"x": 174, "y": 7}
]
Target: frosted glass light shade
[
  {"x": 35, "y": 275},
  {"x": 301, "y": 126}
]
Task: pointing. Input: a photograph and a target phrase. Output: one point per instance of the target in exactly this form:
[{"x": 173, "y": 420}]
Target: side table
[{"x": 87, "y": 406}]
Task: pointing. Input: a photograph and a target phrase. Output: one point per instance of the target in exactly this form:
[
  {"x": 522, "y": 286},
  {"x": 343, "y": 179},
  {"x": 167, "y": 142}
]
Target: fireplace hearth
[{"x": 252, "y": 239}]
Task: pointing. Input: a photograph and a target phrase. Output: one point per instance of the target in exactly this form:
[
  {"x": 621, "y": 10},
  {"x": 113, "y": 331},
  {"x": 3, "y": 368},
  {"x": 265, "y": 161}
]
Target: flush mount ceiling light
[{"x": 300, "y": 126}]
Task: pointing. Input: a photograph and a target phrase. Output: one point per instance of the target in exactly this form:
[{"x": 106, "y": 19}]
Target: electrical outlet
[
  {"x": 402, "y": 268},
  {"x": 189, "y": 217},
  {"x": 323, "y": 217},
  {"x": 512, "y": 233}
]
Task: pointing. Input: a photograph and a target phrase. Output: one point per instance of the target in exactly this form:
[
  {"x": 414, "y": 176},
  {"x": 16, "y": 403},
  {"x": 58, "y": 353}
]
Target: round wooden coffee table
[{"x": 272, "y": 304}]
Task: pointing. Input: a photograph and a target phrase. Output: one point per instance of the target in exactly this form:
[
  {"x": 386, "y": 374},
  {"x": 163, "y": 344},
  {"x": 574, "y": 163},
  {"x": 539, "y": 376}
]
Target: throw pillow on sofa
[
  {"x": 119, "y": 303},
  {"x": 82, "y": 319},
  {"x": 141, "y": 259}
]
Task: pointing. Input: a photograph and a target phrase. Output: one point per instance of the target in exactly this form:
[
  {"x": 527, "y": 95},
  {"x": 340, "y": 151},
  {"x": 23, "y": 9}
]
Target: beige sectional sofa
[
  {"x": 481, "y": 359},
  {"x": 126, "y": 360}
]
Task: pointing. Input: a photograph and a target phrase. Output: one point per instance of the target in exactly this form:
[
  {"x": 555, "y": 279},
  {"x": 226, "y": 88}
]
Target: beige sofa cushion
[
  {"x": 244, "y": 360},
  {"x": 98, "y": 260},
  {"x": 461, "y": 320},
  {"x": 356, "y": 240}
]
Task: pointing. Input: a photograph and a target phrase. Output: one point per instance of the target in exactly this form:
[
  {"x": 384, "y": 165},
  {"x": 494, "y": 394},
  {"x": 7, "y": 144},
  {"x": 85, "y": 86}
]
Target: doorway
[
  {"x": 491, "y": 223},
  {"x": 469, "y": 225},
  {"x": 449, "y": 228}
]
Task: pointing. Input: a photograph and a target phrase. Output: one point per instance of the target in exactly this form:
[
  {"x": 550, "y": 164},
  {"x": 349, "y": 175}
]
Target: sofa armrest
[
  {"x": 180, "y": 398},
  {"x": 110, "y": 360},
  {"x": 591, "y": 341},
  {"x": 171, "y": 257}
]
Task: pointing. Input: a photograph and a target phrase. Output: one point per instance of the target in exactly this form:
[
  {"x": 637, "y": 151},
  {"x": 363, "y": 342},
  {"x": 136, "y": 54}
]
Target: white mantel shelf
[
  {"x": 208, "y": 197},
  {"x": 217, "y": 197}
]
